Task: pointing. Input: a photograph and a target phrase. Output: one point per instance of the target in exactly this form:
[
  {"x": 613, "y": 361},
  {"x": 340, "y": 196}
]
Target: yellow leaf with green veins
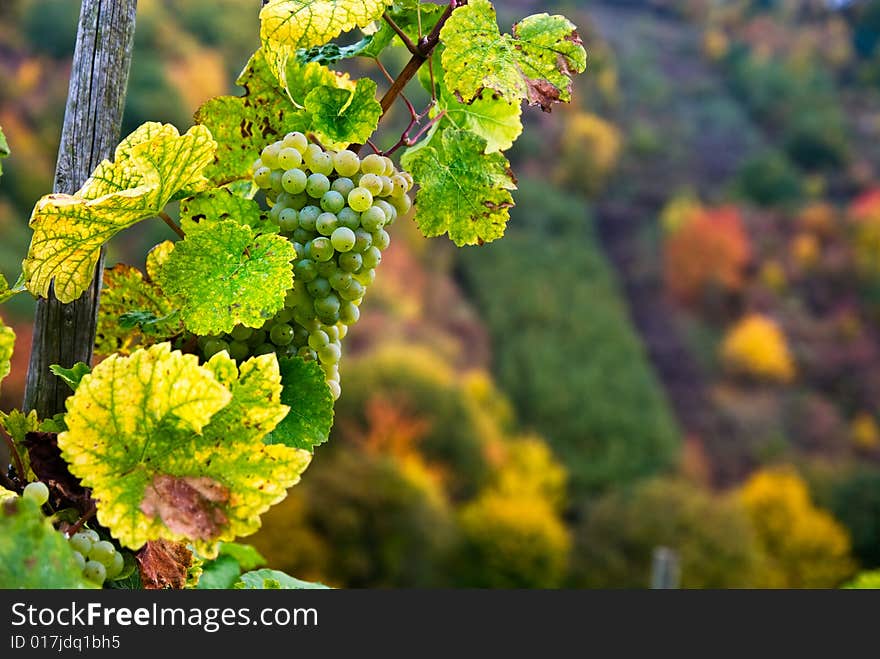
[
  {"x": 172, "y": 449},
  {"x": 463, "y": 191},
  {"x": 288, "y": 25},
  {"x": 69, "y": 230},
  {"x": 535, "y": 63},
  {"x": 223, "y": 274},
  {"x": 7, "y": 344}
]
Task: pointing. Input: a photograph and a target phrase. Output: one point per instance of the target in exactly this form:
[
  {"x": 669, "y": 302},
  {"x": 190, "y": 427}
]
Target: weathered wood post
[
  {"x": 665, "y": 569},
  {"x": 65, "y": 333}
]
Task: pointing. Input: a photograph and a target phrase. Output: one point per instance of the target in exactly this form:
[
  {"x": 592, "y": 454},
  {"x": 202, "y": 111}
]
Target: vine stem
[
  {"x": 16, "y": 458},
  {"x": 422, "y": 53},
  {"x": 78, "y": 524},
  {"x": 166, "y": 218},
  {"x": 410, "y": 46}
]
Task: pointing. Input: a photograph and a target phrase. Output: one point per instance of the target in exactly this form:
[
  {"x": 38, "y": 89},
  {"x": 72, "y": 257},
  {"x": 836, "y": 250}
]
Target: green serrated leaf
[
  {"x": 222, "y": 274},
  {"x": 220, "y": 573},
  {"x": 17, "y": 425},
  {"x": 32, "y": 553},
  {"x": 172, "y": 450},
  {"x": 128, "y": 296},
  {"x": 345, "y": 116},
  {"x": 71, "y": 376},
  {"x": 535, "y": 63},
  {"x": 287, "y": 26},
  {"x": 490, "y": 116},
  {"x": 6, "y": 292},
  {"x": 56, "y": 424},
  {"x": 152, "y": 165},
  {"x": 7, "y": 346},
  {"x": 222, "y": 204},
  {"x": 305, "y": 391},
  {"x": 247, "y": 556},
  {"x": 331, "y": 53},
  {"x": 266, "y": 579},
  {"x": 463, "y": 191}
]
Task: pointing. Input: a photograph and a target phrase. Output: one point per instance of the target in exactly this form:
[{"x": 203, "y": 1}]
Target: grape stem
[
  {"x": 422, "y": 54},
  {"x": 410, "y": 46},
  {"x": 166, "y": 218},
  {"x": 86, "y": 516},
  {"x": 16, "y": 458}
]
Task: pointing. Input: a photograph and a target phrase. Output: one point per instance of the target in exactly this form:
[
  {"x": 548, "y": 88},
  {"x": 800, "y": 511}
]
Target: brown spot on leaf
[
  {"x": 188, "y": 505},
  {"x": 163, "y": 564},
  {"x": 48, "y": 465},
  {"x": 543, "y": 93},
  {"x": 491, "y": 205}
]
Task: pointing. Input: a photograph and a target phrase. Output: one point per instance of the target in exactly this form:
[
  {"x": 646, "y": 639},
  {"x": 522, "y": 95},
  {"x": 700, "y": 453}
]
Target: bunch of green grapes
[
  {"x": 98, "y": 559},
  {"x": 335, "y": 209}
]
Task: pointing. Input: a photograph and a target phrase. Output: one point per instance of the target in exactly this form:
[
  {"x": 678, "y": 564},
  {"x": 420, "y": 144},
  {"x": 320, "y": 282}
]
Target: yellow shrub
[
  {"x": 679, "y": 211},
  {"x": 757, "y": 347},
  {"x": 864, "y": 431},
  {"x": 806, "y": 546},
  {"x": 530, "y": 470},
  {"x": 590, "y": 150}
]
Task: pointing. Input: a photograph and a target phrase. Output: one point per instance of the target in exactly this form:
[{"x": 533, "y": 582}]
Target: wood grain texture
[{"x": 65, "y": 333}]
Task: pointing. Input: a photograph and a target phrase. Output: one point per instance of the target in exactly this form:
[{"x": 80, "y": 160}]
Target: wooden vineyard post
[{"x": 65, "y": 333}]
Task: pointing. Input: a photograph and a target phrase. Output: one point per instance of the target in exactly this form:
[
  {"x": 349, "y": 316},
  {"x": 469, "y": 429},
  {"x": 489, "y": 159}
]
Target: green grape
[
  {"x": 298, "y": 201},
  {"x": 389, "y": 166},
  {"x": 328, "y": 317},
  {"x": 37, "y": 492},
  {"x": 264, "y": 349},
  {"x": 340, "y": 280},
  {"x": 350, "y": 261},
  {"x": 401, "y": 187},
  {"x": 275, "y": 212},
  {"x": 103, "y": 552},
  {"x": 116, "y": 567},
  {"x": 81, "y": 543},
  {"x": 275, "y": 181},
  {"x": 95, "y": 572},
  {"x": 288, "y": 158},
  {"x": 302, "y": 236},
  {"x": 328, "y": 305},
  {"x": 317, "y": 185},
  {"x": 387, "y": 186},
  {"x": 372, "y": 257},
  {"x": 332, "y": 201},
  {"x": 332, "y": 332},
  {"x": 300, "y": 335},
  {"x": 308, "y": 216},
  {"x": 354, "y": 292},
  {"x": 284, "y": 316},
  {"x": 321, "y": 249},
  {"x": 349, "y": 313},
  {"x": 390, "y": 211},
  {"x": 327, "y": 268},
  {"x": 296, "y": 140},
  {"x": 335, "y": 389},
  {"x": 381, "y": 239},
  {"x": 373, "y": 164},
  {"x": 373, "y": 218},
  {"x": 312, "y": 151},
  {"x": 318, "y": 339},
  {"x": 294, "y": 181},
  {"x": 360, "y": 199},
  {"x": 213, "y": 346},
  {"x": 257, "y": 164},
  {"x": 80, "y": 561},
  {"x": 258, "y": 337},
  {"x": 281, "y": 335},
  {"x": 269, "y": 155},
  {"x": 288, "y": 220},
  {"x": 299, "y": 248},
  {"x": 363, "y": 240},
  {"x": 263, "y": 177},
  {"x": 319, "y": 287},
  {"x": 326, "y": 223},
  {"x": 346, "y": 162},
  {"x": 330, "y": 353},
  {"x": 307, "y": 353},
  {"x": 239, "y": 350},
  {"x": 331, "y": 371},
  {"x": 365, "y": 276},
  {"x": 322, "y": 163},
  {"x": 91, "y": 535},
  {"x": 348, "y": 218},
  {"x": 402, "y": 204},
  {"x": 343, "y": 239},
  {"x": 372, "y": 183},
  {"x": 304, "y": 312},
  {"x": 343, "y": 186},
  {"x": 343, "y": 331}
]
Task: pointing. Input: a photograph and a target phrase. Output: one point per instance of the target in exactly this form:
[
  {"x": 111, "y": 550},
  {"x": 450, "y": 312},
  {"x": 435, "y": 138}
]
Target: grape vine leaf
[
  {"x": 463, "y": 191},
  {"x": 345, "y": 116},
  {"x": 4, "y": 149},
  {"x": 266, "y": 579},
  {"x": 32, "y": 553},
  {"x": 223, "y": 274},
  {"x": 310, "y": 418},
  {"x": 164, "y": 564},
  {"x": 535, "y": 63},
  {"x": 73, "y": 375},
  {"x": 247, "y": 556},
  {"x": 220, "y": 573},
  {"x": 222, "y": 204},
  {"x": 6, "y": 292},
  {"x": 287, "y": 26},
  {"x": 125, "y": 292},
  {"x": 151, "y": 167},
  {"x": 413, "y": 18},
  {"x": 243, "y": 125},
  {"x": 7, "y": 345},
  {"x": 17, "y": 425},
  {"x": 172, "y": 450}
]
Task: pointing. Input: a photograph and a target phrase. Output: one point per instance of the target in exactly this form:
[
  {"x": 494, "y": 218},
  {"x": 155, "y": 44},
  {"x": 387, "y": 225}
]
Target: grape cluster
[
  {"x": 98, "y": 559},
  {"x": 334, "y": 208}
]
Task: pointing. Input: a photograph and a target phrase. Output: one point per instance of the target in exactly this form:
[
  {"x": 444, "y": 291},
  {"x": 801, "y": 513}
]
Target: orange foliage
[
  {"x": 866, "y": 206},
  {"x": 710, "y": 251}
]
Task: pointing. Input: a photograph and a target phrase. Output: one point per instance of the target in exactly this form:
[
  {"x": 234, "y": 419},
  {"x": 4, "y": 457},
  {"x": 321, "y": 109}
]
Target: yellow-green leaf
[
  {"x": 6, "y": 292},
  {"x": 463, "y": 191},
  {"x": 222, "y": 204},
  {"x": 17, "y": 425},
  {"x": 345, "y": 116},
  {"x": 288, "y": 25},
  {"x": 152, "y": 165},
  {"x": 172, "y": 449},
  {"x": 7, "y": 345},
  {"x": 223, "y": 274},
  {"x": 535, "y": 63}
]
